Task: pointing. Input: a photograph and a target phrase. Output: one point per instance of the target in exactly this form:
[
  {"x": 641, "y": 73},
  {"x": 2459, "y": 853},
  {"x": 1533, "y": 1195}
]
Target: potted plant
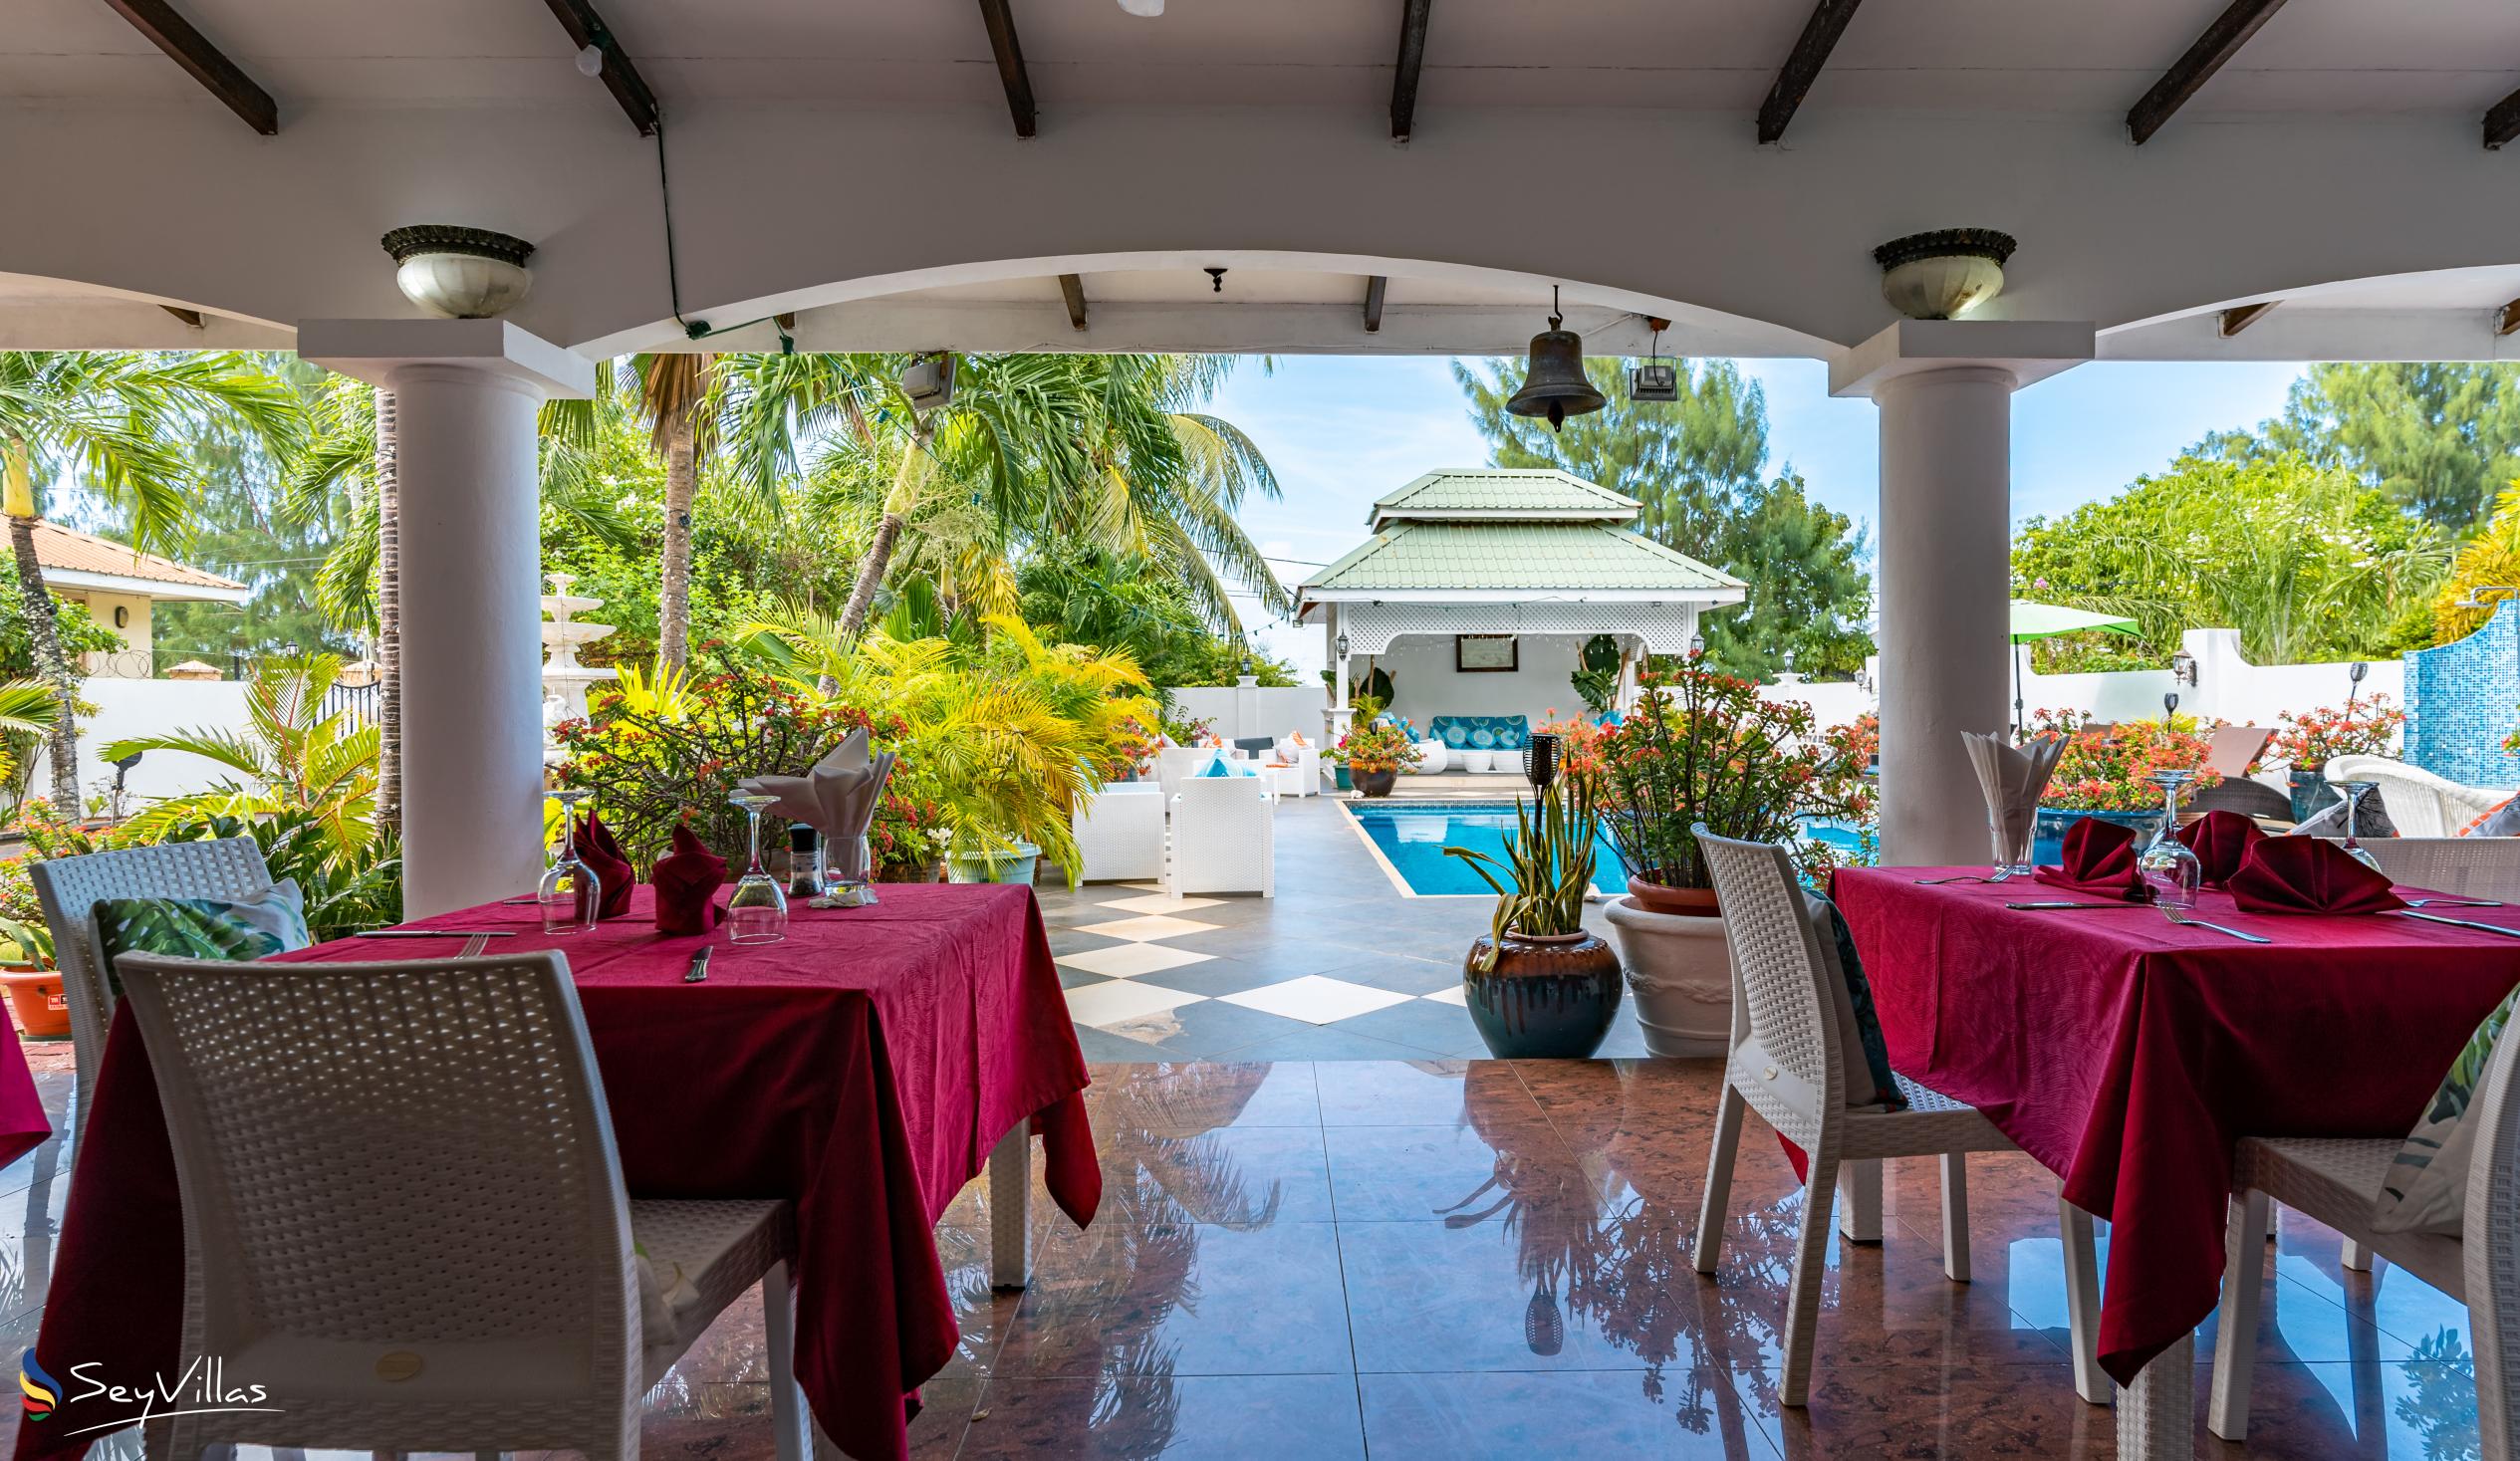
[
  {"x": 1539, "y": 987},
  {"x": 2106, "y": 773},
  {"x": 1374, "y": 751},
  {"x": 2306, "y": 742},
  {"x": 1702, "y": 747},
  {"x": 34, "y": 984}
]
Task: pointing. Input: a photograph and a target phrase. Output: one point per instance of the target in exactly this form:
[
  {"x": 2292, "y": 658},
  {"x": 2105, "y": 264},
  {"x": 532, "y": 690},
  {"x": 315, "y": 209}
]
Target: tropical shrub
[
  {"x": 290, "y": 758},
  {"x": 2110, "y": 770},
  {"x": 1374, "y": 742},
  {"x": 1703, "y": 747},
  {"x": 343, "y": 891},
  {"x": 2365, "y": 727}
]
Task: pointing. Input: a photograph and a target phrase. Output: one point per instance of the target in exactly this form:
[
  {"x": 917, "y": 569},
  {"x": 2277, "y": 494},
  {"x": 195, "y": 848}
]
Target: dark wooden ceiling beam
[
  {"x": 2241, "y": 317},
  {"x": 621, "y": 78},
  {"x": 2221, "y": 41},
  {"x": 190, "y": 317},
  {"x": 1072, "y": 290},
  {"x": 1792, "y": 83},
  {"x": 1374, "y": 284},
  {"x": 1413, "y": 60},
  {"x": 2507, "y": 318},
  {"x": 1010, "y": 63},
  {"x": 2503, "y": 123},
  {"x": 189, "y": 49}
]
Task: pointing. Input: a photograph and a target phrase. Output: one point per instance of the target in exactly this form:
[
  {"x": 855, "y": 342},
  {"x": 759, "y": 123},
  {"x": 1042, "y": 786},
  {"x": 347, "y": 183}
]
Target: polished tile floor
[
  {"x": 1340, "y": 965},
  {"x": 1471, "y": 1258}
]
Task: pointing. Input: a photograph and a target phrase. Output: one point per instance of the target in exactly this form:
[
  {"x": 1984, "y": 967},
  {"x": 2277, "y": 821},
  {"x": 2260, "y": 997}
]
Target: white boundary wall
[
  {"x": 1248, "y": 709},
  {"x": 127, "y": 708},
  {"x": 2228, "y": 687}
]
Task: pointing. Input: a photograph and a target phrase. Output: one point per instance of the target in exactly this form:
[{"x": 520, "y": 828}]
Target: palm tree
[
  {"x": 116, "y": 420},
  {"x": 1102, "y": 448}
]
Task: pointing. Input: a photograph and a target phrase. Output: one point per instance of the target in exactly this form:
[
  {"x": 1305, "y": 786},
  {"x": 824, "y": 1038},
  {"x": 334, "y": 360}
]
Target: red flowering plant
[
  {"x": 1133, "y": 749},
  {"x": 1703, "y": 747},
  {"x": 2111, "y": 768},
  {"x": 2367, "y": 727},
  {"x": 654, "y": 753},
  {"x": 1578, "y": 744},
  {"x": 1375, "y": 743}
]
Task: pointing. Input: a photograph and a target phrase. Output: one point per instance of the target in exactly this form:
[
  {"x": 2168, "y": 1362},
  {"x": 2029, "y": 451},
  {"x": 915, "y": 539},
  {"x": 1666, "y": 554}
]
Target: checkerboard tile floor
[{"x": 1340, "y": 965}]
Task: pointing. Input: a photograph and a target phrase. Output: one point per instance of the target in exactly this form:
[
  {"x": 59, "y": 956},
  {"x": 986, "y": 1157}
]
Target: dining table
[
  {"x": 864, "y": 1068},
  {"x": 2129, "y": 1054}
]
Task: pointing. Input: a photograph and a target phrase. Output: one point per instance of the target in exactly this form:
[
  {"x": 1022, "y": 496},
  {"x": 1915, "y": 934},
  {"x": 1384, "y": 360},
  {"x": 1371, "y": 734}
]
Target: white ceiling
[{"x": 2037, "y": 56}]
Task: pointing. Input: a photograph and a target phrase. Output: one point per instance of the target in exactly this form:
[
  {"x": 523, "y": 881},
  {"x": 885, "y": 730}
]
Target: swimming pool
[{"x": 1412, "y": 837}]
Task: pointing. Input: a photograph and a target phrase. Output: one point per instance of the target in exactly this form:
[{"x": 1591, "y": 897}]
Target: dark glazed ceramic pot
[
  {"x": 1375, "y": 783},
  {"x": 1549, "y": 998}
]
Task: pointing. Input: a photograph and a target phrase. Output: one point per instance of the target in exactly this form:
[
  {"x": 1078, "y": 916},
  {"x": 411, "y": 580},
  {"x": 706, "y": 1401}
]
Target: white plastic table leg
[
  {"x": 1010, "y": 1208},
  {"x": 2082, "y": 1301},
  {"x": 1859, "y": 1209},
  {"x": 2156, "y": 1415},
  {"x": 2355, "y": 1258}
]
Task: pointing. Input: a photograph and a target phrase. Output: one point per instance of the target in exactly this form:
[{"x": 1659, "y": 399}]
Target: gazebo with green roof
[{"x": 1480, "y": 586}]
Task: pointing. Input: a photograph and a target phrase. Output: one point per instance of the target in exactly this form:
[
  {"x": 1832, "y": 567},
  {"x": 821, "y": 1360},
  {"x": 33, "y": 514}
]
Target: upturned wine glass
[
  {"x": 2168, "y": 868},
  {"x": 569, "y": 893},
  {"x": 2354, "y": 792},
  {"x": 757, "y": 911}
]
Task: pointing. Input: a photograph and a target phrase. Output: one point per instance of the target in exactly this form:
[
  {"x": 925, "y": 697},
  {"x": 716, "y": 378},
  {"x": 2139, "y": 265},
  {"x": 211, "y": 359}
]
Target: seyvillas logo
[
  {"x": 42, "y": 1393},
  {"x": 202, "y": 1388}
]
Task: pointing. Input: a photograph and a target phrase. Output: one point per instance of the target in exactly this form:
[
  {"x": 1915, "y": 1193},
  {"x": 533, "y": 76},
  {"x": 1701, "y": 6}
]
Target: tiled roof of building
[
  {"x": 1492, "y": 493},
  {"x": 1514, "y": 557},
  {"x": 57, "y": 547}
]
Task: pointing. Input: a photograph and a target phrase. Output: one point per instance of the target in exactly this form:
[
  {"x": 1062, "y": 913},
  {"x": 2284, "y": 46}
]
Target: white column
[
  {"x": 1338, "y": 675},
  {"x": 472, "y": 728},
  {"x": 1946, "y": 580}
]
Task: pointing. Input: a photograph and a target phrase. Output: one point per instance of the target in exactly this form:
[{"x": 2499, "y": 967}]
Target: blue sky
[{"x": 1342, "y": 430}]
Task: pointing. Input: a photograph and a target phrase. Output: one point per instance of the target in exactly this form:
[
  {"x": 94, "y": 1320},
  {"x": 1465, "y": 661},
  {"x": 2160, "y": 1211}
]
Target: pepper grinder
[{"x": 804, "y": 881}]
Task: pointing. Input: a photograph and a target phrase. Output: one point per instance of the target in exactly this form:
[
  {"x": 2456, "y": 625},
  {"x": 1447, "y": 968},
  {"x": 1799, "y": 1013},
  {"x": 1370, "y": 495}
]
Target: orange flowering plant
[
  {"x": 1706, "y": 747},
  {"x": 2363, "y": 728},
  {"x": 1376, "y": 743},
  {"x": 2109, "y": 768}
]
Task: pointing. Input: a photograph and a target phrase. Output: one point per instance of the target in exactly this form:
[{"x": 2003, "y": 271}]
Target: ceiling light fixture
[
  {"x": 1148, "y": 8},
  {"x": 590, "y": 60}
]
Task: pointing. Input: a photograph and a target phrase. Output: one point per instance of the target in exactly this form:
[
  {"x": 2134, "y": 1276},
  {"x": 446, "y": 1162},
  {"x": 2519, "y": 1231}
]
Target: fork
[
  {"x": 1963, "y": 877},
  {"x": 2216, "y": 927}
]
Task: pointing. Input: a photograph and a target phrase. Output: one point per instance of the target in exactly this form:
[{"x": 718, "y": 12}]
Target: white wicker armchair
[
  {"x": 2420, "y": 804},
  {"x": 2333, "y": 1181},
  {"x": 2471, "y": 867},
  {"x": 69, "y": 888},
  {"x": 1785, "y": 1066},
  {"x": 1119, "y": 833},
  {"x": 1224, "y": 837},
  {"x": 407, "y": 1176}
]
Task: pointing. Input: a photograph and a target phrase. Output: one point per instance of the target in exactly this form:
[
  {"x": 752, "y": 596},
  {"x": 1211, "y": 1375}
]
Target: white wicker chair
[
  {"x": 1119, "y": 833},
  {"x": 1177, "y": 764},
  {"x": 403, "y": 1212},
  {"x": 2420, "y": 804},
  {"x": 2333, "y": 1181},
  {"x": 69, "y": 888},
  {"x": 1224, "y": 837},
  {"x": 1785, "y": 1066},
  {"x": 2471, "y": 867}
]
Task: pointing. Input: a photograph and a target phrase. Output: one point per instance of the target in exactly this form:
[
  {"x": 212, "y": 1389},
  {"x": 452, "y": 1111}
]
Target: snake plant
[{"x": 1547, "y": 871}]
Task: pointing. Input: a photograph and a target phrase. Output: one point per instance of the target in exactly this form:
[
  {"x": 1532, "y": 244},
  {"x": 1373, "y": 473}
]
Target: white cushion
[{"x": 2426, "y": 1187}]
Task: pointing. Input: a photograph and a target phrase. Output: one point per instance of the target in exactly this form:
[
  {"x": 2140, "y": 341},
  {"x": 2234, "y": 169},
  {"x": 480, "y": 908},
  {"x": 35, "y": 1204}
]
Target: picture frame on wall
[{"x": 1486, "y": 654}]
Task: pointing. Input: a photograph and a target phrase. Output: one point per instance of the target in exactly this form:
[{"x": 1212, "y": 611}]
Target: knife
[
  {"x": 2461, "y": 922},
  {"x": 2043, "y": 908},
  {"x": 699, "y": 970},
  {"x": 435, "y": 933}
]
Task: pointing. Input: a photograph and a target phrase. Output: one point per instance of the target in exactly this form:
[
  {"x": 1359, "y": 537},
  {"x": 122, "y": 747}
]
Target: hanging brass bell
[{"x": 1555, "y": 385}]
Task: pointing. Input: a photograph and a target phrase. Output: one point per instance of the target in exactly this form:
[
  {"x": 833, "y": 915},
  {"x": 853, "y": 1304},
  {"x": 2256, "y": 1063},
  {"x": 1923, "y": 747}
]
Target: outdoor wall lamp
[
  {"x": 2183, "y": 668},
  {"x": 1789, "y": 661},
  {"x": 1342, "y": 646},
  {"x": 1696, "y": 646}
]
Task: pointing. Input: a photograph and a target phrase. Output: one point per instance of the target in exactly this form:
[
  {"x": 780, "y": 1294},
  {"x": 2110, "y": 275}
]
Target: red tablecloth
[
  {"x": 862, "y": 1069},
  {"x": 23, "y": 1125},
  {"x": 2128, "y": 1055}
]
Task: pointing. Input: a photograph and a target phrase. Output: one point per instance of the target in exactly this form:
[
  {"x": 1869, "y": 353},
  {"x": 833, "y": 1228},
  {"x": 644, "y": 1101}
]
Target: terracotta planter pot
[
  {"x": 1374, "y": 783},
  {"x": 1550, "y": 997},
  {"x": 1680, "y": 969},
  {"x": 1663, "y": 897},
  {"x": 35, "y": 996}
]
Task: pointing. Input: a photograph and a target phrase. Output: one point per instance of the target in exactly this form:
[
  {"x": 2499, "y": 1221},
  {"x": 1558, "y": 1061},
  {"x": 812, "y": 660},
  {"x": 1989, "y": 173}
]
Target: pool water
[{"x": 1413, "y": 835}]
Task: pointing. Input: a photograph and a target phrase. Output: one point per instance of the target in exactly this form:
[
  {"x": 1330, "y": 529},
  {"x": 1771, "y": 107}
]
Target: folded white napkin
[
  {"x": 2012, "y": 778},
  {"x": 836, "y": 797}
]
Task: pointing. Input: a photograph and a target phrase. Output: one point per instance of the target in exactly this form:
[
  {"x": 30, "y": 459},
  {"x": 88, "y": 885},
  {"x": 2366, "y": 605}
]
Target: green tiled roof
[
  {"x": 1491, "y": 493},
  {"x": 1513, "y": 556}
]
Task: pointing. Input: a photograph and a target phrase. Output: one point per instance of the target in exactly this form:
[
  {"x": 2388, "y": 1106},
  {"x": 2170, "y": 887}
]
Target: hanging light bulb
[
  {"x": 1143, "y": 7},
  {"x": 590, "y": 59},
  {"x": 1553, "y": 384}
]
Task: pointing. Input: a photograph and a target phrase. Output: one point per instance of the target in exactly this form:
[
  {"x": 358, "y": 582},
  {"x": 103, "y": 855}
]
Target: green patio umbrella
[{"x": 2047, "y": 620}]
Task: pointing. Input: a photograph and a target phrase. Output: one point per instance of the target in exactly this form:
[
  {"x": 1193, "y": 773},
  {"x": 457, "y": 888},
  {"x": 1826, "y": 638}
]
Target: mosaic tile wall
[{"x": 2461, "y": 704}]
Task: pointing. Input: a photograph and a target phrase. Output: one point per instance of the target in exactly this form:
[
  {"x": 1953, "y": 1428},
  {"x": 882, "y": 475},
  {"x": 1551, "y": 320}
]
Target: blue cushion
[
  {"x": 1483, "y": 732},
  {"x": 1219, "y": 767}
]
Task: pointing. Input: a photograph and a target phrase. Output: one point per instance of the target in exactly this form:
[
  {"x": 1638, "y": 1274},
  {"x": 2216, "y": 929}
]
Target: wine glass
[
  {"x": 757, "y": 911},
  {"x": 569, "y": 894},
  {"x": 2354, "y": 791},
  {"x": 2167, "y": 867}
]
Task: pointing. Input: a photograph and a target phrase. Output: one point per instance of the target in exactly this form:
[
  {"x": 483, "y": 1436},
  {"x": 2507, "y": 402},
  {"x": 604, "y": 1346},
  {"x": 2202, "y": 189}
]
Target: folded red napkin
[
  {"x": 687, "y": 880},
  {"x": 2220, "y": 840},
  {"x": 602, "y": 855},
  {"x": 2099, "y": 860},
  {"x": 2308, "y": 874}
]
